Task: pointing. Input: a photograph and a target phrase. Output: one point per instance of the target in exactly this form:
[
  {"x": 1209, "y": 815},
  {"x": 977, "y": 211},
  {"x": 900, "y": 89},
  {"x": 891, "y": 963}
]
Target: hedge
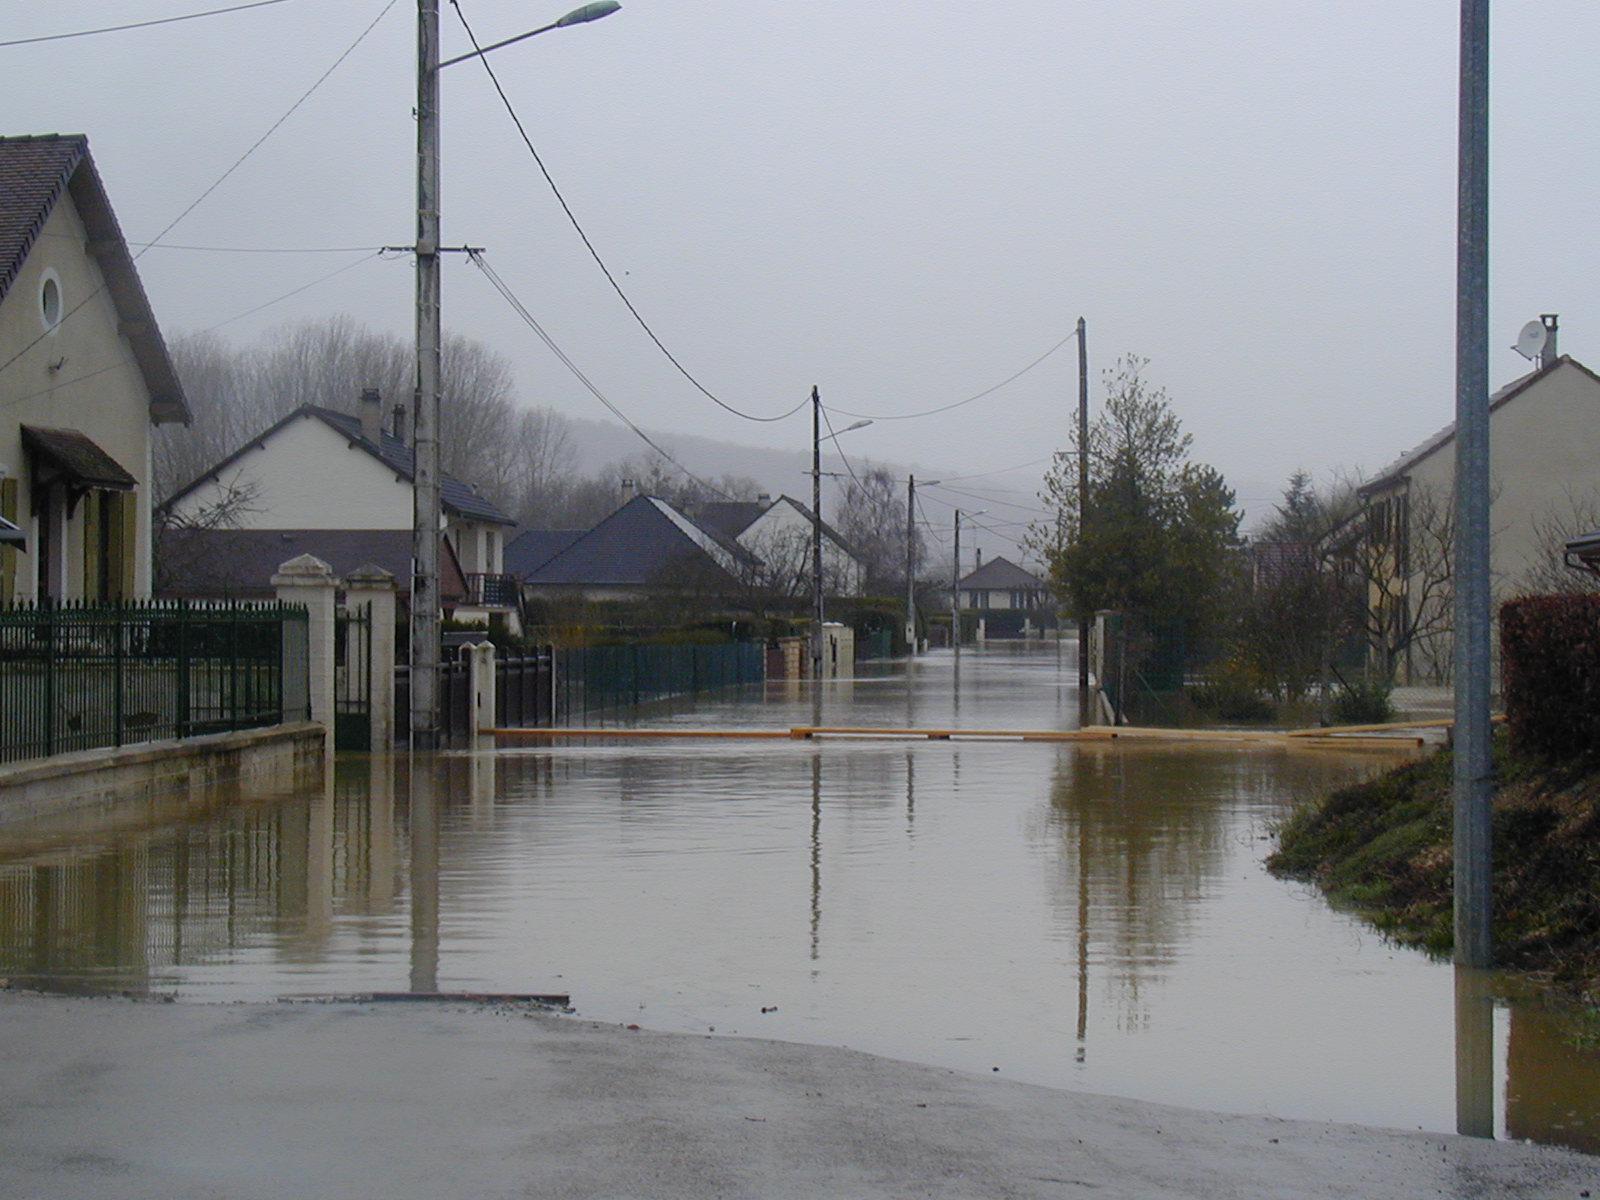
[{"x": 1550, "y": 675}]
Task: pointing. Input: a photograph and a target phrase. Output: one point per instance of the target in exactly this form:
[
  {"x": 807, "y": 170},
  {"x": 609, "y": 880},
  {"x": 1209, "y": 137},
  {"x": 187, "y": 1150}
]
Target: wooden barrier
[{"x": 1341, "y": 739}]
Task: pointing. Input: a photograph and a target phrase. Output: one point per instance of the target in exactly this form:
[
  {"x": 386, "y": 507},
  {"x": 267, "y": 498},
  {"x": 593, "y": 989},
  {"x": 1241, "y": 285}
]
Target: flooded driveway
[{"x": 1085, "y": 916}]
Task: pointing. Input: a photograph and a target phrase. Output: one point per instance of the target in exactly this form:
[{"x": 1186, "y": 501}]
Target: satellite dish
[{"x": 1530, "y": 342}]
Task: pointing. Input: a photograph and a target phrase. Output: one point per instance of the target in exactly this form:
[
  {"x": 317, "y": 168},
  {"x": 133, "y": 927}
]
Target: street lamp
[
  {"x": 816, "y": 546},
  {"x": 425, "y": 418},
  {"x": 911, "y": 563},
  {"x": 955, "y": 587}
]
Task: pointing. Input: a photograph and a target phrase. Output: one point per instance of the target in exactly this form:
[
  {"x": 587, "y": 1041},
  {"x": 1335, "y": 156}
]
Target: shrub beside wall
[{"x": 1550, "y": 664}]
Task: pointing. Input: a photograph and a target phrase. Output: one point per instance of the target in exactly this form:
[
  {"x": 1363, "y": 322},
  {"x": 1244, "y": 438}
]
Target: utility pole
[
  {"x": 425, "y": 420},
  {"x": 1084, "y": 706},
  {"x": 816, "y": 556},
  {"x": 911, "y": 566},
  {"x": 955, "y": 594},
  {"x": 1473, "y": 778}
]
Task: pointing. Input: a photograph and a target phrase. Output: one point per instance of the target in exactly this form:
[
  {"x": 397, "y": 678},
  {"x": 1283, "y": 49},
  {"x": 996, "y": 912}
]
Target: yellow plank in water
[{"x": 626, "y": 732}]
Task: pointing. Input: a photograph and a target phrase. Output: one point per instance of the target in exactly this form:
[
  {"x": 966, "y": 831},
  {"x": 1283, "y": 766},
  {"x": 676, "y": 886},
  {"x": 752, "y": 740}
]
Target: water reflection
[{"x": 1081, "y": 916}]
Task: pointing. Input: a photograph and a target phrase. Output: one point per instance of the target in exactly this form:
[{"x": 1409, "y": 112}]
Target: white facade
[
  {"x": 80, "y": 375},
  {"x": 781, "y": 539},
  {"x": 308, "y": 475},
  {"x": 1544, "y": 456}
]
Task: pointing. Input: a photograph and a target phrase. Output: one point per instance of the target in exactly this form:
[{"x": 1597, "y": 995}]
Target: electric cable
[
  {"x": 1027, "y": 508},
  {"x": 256, "y": 145},
  {"x": 78, "y": 33},
  {"x": 249, "y": 312},
  {"x": 988, "y": 391},
  {"x": 528, "y": 318},
  {"x": 594, "y": 253}
]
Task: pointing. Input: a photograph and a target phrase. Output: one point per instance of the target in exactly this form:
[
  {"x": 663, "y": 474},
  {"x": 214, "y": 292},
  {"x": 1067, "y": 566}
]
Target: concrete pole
[
  {"x": 1083, "y": 518},
  {"x": 955, "y": 594},
  {"x": 425, "y": 421},
  {"x": 1473, "y": 782},
  {"x": 816, "y": 556},
  {"x": 911, "y": 566}
]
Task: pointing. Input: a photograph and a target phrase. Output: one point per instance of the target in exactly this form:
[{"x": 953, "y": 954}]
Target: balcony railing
[{"x": 492, "y": 591}]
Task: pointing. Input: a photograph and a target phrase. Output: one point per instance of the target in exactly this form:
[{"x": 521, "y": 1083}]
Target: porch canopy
[
  {"x": 74, "y": 459},
  {"x": 1583, "y": 553}
]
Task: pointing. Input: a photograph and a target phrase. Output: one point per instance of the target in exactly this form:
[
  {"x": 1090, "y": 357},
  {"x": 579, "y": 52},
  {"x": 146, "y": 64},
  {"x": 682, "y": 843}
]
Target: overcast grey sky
[{"x": 902, "y": 202}]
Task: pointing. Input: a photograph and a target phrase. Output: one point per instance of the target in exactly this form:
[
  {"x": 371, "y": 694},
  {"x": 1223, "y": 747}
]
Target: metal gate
[{"x": 352, "y": 678}]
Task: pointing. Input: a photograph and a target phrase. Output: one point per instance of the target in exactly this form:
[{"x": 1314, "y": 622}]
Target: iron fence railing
[
  {"x": 493, "y": 591},
  {"x": 594, "y": 681},
  {"x": 77, "y": 676}
]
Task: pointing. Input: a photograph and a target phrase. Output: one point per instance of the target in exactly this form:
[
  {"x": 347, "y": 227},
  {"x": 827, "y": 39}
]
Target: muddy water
[{"x": 1078, "y": 916}]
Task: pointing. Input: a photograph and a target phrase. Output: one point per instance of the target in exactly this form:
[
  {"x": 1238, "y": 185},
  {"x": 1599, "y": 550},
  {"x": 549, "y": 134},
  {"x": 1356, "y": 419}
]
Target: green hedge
[{"x": 1550, "y": 675}]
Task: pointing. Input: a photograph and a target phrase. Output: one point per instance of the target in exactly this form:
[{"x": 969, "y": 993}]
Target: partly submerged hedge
[{"x": 1550, "y": 664}]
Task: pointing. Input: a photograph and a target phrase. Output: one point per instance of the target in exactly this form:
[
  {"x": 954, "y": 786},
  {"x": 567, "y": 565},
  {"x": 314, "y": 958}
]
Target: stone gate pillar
[
  {"x": 372, "y": 588},
  {"x": 309, "y": 581}
]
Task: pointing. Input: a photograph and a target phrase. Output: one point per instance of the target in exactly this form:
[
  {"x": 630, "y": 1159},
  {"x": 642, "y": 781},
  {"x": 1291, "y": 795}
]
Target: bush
[
  {"x": 1230, "y": 698},
  {"x": 1364, "y": 702},
  {"x": 1550, "y": 675}
]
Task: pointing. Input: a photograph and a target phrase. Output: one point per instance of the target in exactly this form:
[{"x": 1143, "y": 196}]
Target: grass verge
[{"x": 1382, "y": 849}]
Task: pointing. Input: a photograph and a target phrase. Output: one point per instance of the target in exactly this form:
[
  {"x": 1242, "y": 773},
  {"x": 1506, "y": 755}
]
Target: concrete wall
[
  {"x": 95, "y": 387},
  {"x": 111, "y": 782}
]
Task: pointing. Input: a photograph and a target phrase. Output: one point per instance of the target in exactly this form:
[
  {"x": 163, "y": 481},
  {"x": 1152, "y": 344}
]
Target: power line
[
  {"x": 256, "y": 145},
  {"x": 255, "y": 249},
  {"x": 250, "y": 312},
  {"x": 273, "y": 128},
  {"x": 988, "y": 391},
  {"x": 213, "y": 12},
  {"x": 844, "y": 458},
  {"x": 1005, "y": 470},
  {"x": 528, "y": 318},
  {"x": 987, "y": 500},
  {"x": 595, "y": 254}
]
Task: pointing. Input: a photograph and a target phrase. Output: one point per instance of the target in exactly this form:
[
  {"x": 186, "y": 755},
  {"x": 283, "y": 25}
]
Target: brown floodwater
[{"x": 1088, "y": 916}]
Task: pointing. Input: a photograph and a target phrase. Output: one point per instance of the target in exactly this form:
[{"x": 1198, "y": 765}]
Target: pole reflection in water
[
  {"x": 424, "y": 821},
  {"x": 816, "y": 854},
  {"x": 911, "y": 791},
  {"x": 1474, "y": 1053}
]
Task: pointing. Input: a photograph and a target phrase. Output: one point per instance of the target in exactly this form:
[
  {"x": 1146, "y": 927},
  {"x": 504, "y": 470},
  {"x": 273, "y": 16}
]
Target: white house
[
  {"x": 318, "y": 469},
  {"x": 1544, "y": 468},
  {"x": 779, "y": 533},
  {"x": 84, "y": 374}
]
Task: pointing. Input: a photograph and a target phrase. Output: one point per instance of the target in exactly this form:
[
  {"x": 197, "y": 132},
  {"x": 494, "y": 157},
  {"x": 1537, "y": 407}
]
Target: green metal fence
[
  {"x": 594, "y": 681},
  {"x": 79, "y": 676}
]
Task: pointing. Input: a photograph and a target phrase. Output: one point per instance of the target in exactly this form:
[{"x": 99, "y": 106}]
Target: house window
[{"x": 50, "y": 301}]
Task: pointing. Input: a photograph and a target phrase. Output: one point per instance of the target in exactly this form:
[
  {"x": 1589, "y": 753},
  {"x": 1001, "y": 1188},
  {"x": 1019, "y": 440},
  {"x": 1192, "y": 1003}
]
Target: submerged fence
[
  {"x": 594, "y": 681},
  {"x": 79, "y": 676}
]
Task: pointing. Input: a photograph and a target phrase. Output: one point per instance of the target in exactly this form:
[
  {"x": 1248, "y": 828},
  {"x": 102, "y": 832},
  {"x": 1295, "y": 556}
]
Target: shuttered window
[{"x": 8, "y": 554}]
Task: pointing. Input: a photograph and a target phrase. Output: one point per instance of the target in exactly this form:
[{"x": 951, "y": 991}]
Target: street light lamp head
[
  {"x": 857, "y": 425},
  {"x": 588, "y": 12}
]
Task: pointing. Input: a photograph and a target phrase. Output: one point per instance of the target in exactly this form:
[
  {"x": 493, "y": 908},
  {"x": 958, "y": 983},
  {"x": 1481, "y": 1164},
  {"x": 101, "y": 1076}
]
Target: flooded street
[{"x": 1086, "y": 916}]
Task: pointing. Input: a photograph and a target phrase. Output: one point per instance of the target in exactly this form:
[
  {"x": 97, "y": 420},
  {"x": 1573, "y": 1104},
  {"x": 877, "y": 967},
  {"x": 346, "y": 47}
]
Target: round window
[{"x": 50, "y": 302}]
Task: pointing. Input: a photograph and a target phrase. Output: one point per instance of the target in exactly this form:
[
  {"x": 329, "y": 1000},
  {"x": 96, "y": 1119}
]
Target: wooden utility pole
[
  {"x": 911, "y": 566},
  {"x": 816, "y": 555}
]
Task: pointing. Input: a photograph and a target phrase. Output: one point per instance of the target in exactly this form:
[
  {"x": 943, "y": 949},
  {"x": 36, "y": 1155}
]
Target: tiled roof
[
  {"x": 731, "y": 517},
  {"x": 208, "y": 563},
  {"x": 453, "y": 494},
  {"x": 1402, "y": 466},
  {"x": 634, "y": 546},
  {"x": 1001, "y": 574},
  {"x": 35, "y": 172},
  {"x": 532, "y": 548}
]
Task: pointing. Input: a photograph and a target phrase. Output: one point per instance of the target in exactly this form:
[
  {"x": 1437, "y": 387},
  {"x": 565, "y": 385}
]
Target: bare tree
[
  {"x": 872, "y": 518},
  {"x": 178, "y": 557},
  {"x": 1552, "y": 530}
]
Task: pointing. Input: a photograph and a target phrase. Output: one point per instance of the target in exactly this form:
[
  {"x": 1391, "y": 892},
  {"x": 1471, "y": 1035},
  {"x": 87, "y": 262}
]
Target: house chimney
[
  {"x": 399, "y": 429},
  {"x": 979, "y": 563},
  {"x": 630, "y": 489},
  {"x": 764, "y": 499},
  {"x": 371, "y": 415},
  {"x": 1548, "y": 354}
]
